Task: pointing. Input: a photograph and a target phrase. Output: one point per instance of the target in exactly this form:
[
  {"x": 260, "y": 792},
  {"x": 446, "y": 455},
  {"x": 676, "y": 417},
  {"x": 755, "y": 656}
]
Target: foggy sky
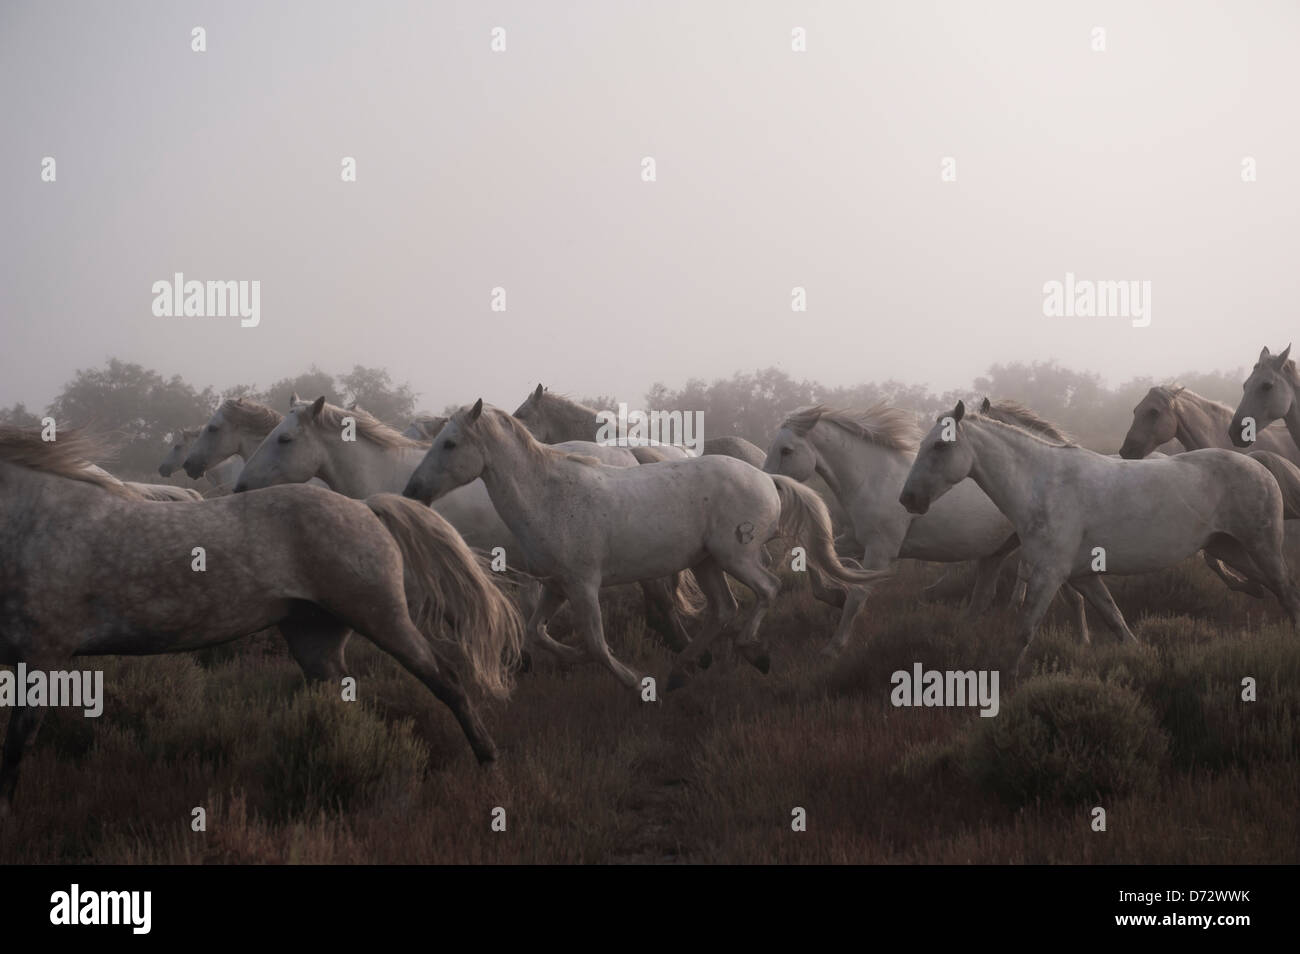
[{"x": 522, "y": 169}]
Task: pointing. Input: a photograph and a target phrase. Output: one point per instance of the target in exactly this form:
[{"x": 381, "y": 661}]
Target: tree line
[{"x": 140, "y": 409}]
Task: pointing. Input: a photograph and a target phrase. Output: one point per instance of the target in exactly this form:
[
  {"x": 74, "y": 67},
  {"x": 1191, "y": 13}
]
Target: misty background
[{"x": 522, "y": 170}]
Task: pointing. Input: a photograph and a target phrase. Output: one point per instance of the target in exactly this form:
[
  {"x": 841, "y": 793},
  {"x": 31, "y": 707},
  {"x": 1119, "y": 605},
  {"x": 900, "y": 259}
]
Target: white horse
[
  {"x": 1268, "y": 395},
  {"x": 864, "y": 457},
  {"x": 221, "y": 477},
  {"x": 1170, "y": 412},
  {"x": 585, "y": 525},
  {"x": 1069, "y": 506},
  {"x": 311, "y": 442}
]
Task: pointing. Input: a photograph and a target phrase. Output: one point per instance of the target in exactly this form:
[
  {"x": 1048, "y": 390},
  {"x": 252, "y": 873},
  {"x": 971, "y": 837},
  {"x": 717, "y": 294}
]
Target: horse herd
[{"x": 337, "y": 522}]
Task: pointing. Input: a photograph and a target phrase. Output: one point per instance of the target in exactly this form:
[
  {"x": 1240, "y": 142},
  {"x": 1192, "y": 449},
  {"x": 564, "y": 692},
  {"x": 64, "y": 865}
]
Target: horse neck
[
  {"x": 1201, "y": 422},
  {"x": 1006, "y": 459},
  {"x": 361, "y": 468},
  {"x": 845, "y": 461},
  {"x": 1292, "y": 417},
  {"x": 249, "y": 442},
  {"x": 517, "y": 483},
  {"x": 573, "y": 422}
]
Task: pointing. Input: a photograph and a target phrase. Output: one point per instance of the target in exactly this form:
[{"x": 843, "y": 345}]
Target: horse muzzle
[{"x": 914, "y": 502}]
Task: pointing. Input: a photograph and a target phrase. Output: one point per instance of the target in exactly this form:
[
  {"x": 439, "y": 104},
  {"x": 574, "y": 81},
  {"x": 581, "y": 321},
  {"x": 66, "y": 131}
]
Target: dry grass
[{"x": 589, "y": 773}]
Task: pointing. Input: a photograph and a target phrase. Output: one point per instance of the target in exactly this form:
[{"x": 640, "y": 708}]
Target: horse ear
[
  {"x": 1264, "y": 355},
  {"x": 984, "y": 408},
  {"x": 475, "y": 411},
  {"x": 317, "y": 406},
  {"x": 1281, "y": 359},
  {"x": 294, "y": 399},
  {"x": 538, "y": 393},
  {"x": 959, "y": 411}
]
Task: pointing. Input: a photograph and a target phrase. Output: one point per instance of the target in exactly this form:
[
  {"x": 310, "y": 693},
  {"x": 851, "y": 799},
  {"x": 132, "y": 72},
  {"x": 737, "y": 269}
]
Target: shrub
[{"x": 1063, "y": 738}]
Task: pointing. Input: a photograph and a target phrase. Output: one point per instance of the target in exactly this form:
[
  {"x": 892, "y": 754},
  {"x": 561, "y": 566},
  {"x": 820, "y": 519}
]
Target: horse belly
[{"x": 1142, "y": 549}]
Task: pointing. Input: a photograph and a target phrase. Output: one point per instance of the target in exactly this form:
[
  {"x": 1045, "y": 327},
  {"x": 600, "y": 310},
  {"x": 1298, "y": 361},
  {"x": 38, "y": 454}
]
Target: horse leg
[
  {"x": 1265, "y": 558},
  {"x": 403, "y": 641},
  {"x": 551, "y": 600},
  {"x": 24, "y": 723},
  {"x": 877, "y": 558},
  {"x": 721, "y": 610},
  {"x": 1094, "y": 589},
  {"x": 661, "y": 613},
  {"x": 766, "y": 586},
  {"x": 585, "y": 599},
  {"x": 1239, "y": 583},
  {"x": 986, "y": 582},
  {"x": 827, "y": 592},
  {"x": 316, "y": 642},
  {"x": 1075, "y": 598},
  {"x": 1040, "y": 586}
]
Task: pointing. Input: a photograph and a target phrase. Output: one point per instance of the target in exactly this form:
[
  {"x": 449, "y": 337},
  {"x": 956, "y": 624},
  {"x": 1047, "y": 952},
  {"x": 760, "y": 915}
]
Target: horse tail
[
  {"x": 688, "y": 600},
  {"x": 470, "y": 624},
  {"x": 804, "y": 516},
  {"x": 1287, "y": 476}
]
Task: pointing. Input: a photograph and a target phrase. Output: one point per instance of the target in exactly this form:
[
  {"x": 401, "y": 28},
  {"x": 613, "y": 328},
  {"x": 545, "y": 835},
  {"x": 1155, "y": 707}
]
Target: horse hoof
[
  {"x": 676, "y": 680},
  {"x": 706, "y": 659},
  {"x": 763, "y": 664}
]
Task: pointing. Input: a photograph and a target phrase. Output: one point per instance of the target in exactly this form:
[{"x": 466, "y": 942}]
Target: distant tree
[
  {"x": 309, "y": 385},
  {"x": 137, "y": 408},
  {"x": 372, "y": 388},
  {"x": 19, "y": 416}
]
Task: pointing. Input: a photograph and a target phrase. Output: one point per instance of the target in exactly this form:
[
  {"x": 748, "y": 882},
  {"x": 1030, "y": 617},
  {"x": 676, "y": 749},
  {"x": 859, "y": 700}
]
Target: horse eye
[
  {"x": 212, "y": 428},
  {"x": 285, "y": 438},
  {"x": 1152, "y": 412},
  {"x": 450, "y": 445},
  {"x": 1266, "y": 386},
  {"x": 787, "y": 450}
]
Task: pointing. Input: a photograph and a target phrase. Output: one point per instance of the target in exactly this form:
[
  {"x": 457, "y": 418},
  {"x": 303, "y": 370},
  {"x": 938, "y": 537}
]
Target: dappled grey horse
[{"x": 87, "y": 569}]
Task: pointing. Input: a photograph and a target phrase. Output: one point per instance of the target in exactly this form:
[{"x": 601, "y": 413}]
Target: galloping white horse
[
  {"x": 1069, "y": 505},
  {"x": 864, "y": 457},
  {"x": 310, "y": 442},
  {"x": 553, "y": 418},
  {"x": 1170, "y": 412},
  {"x": 585, "y": 525},
  {"x": 1268, "y": 395},
  {"x": 221, "y": 476}
]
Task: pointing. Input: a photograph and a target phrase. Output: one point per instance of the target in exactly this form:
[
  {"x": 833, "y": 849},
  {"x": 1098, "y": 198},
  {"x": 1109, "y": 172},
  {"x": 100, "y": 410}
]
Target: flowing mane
[
  {"x": 369, "y": 427},
  {"x": 1013, "y": 412},
  {"x": 978, "y": 417},
  {"x": 251, "y": 416},
  {"x": 69, "y": 456},
  {"x": 498, "y": 425},
  {"x": 580, "y": 417},
  {"x": 880, "y": 424}
]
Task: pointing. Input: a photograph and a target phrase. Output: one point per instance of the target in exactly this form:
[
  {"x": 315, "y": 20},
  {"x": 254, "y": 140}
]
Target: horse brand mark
[{"x": 745, "y": 532}]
